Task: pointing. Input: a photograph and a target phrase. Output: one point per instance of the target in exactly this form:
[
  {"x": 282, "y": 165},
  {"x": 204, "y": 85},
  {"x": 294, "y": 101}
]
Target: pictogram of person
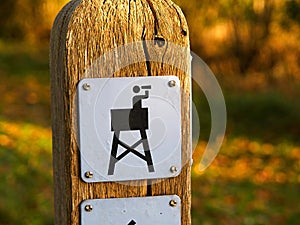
[{"x": 137, "y": 99}]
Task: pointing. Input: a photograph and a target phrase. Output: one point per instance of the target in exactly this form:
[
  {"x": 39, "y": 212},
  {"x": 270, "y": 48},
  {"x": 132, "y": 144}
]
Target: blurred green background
[{"x": 253, "y": 48}]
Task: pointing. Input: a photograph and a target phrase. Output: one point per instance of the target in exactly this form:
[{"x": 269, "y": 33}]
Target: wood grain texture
[{"x": 84, "y": 31}]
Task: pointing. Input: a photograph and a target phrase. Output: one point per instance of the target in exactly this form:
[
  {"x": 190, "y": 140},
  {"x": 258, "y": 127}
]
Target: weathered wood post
[{"x": 83, "y": 32}]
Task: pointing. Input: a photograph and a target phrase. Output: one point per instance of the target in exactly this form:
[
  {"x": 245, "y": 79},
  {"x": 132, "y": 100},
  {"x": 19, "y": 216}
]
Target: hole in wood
[{"x": 160, "y": 41}]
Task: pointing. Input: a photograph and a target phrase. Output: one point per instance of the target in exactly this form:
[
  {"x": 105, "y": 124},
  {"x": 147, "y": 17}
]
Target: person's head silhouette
[{"x": 136, "y": 89}]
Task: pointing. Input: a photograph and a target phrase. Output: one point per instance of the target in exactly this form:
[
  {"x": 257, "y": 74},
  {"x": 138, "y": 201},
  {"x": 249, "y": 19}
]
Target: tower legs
[{"x": 130, "y": 149}]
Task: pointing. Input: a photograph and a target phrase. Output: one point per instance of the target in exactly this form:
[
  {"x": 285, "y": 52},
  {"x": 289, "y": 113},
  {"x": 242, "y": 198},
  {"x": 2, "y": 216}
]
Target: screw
[
  {"x": 89, "y": 174},
  {"x": 86, "y": 86},
  {"x": 172, "y": 83},
  {"x": 173, "y": 203},
  {"x": 88, "y": 208},
  {"x": 173, "y": 169}
]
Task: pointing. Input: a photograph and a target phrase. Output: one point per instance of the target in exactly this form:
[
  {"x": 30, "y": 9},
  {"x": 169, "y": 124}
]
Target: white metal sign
[
  {"x": 162, "y": 210},
  {"x": 129, "y": 128}
]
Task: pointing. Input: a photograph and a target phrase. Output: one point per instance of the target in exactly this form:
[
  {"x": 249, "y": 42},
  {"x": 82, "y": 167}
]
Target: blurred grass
[
  {"x": 25, "y": 136},
  {"x": 254, "y": 180},
  {"x": 250, "y": 182},
  {"x": 268, "y": 117},
  {"x": 25, "y": 174}
]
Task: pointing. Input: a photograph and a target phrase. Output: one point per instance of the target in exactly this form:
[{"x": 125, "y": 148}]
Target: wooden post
[{"x": 82, "y": 32}]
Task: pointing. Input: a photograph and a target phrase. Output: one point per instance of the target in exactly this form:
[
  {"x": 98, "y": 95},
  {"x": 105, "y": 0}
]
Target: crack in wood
[
  {"x": 149, "y": 187},
  {"x": 156, "y": 24}
]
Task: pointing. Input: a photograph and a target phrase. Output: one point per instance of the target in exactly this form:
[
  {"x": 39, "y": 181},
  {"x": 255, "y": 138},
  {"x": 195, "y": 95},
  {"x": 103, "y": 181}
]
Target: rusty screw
[
  {"x": 173, "y": 203},
  {"x": 86, "y": 86},
  {"x": 89, "y": 174},
  {"x": 88, "y": 208},
  {"x": 172, "y": 83},
  {"x": 173, "y": 169}
]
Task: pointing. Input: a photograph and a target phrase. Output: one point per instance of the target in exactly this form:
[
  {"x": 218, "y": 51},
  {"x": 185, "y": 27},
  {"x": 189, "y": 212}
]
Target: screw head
[
  {"x": 173, "y": 203},
  {"x": 172, "y": 83},
  {"x": 173, "y": 169},
  {"x": 89, "y": 174},
  {"x": 86, "y": 86},
  {"x": 88, "y": 208}
]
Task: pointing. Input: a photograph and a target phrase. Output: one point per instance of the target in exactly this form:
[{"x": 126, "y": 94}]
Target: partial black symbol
[
  {"x": 132, "y": 222},
  {"x": 135, "y": 118}
]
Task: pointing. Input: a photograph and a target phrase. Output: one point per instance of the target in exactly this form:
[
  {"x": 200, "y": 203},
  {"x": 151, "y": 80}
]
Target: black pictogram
[
  {"x": 132, "y": 222},
  {"x": 135, "y": 118}
]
